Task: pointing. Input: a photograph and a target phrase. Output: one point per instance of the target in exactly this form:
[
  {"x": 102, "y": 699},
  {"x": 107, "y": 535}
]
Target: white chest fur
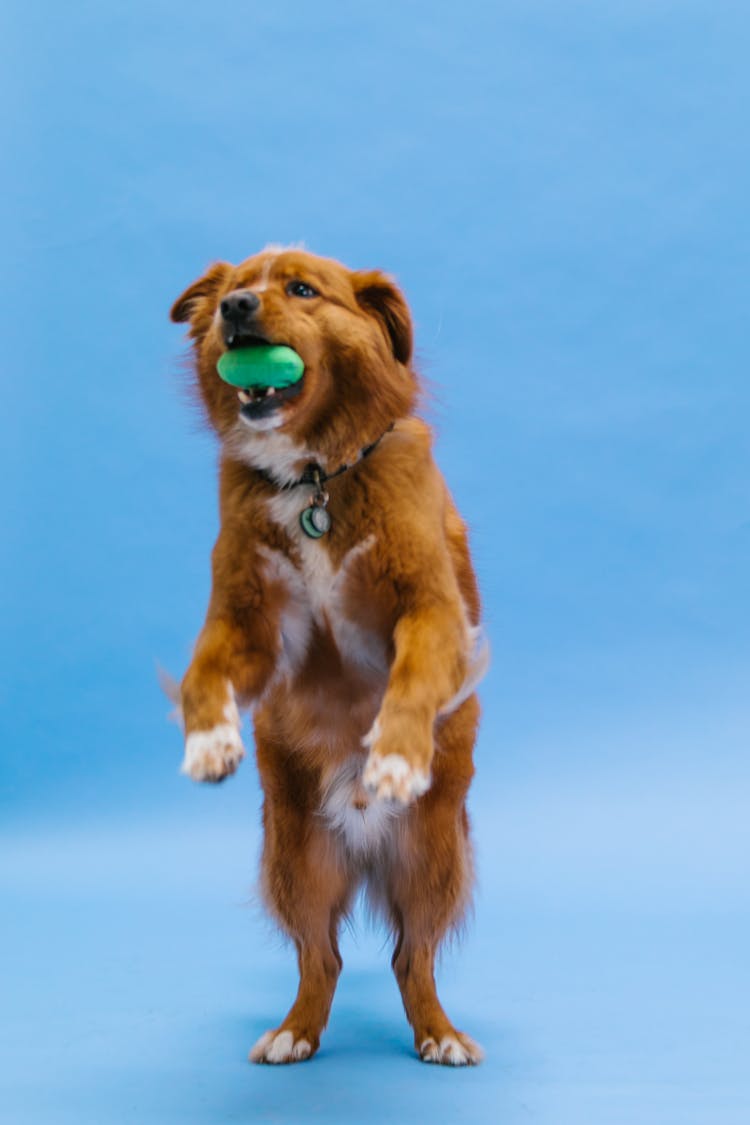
[
  {"x": 316, "y": 592},
  {"x": 316, "y": 597}
]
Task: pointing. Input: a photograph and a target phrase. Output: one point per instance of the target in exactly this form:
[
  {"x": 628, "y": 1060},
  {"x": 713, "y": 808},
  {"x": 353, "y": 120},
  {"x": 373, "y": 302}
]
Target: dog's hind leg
[
  {"x": 428, "y": 887},
  {"x": 307, "y": 887}
]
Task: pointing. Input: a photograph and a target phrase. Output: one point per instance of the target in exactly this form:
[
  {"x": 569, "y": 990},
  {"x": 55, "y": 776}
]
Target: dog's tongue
[{"x": 265, "y": 365}]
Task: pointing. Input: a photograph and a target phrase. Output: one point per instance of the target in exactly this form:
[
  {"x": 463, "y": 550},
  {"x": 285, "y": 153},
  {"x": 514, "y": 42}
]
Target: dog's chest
[{"x": 318, "y": 597}]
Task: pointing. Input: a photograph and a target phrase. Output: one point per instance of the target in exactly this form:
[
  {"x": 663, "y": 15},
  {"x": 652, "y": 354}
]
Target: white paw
[
  {"x": 391, "y": 777},
  {"x": 452, "y": 1050},
  {"x": 211, "y": 755},
  {"x": 280, "y": 1047}
]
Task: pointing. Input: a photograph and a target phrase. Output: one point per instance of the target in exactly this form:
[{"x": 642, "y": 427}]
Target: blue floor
[{"x": 605, "y": 971}]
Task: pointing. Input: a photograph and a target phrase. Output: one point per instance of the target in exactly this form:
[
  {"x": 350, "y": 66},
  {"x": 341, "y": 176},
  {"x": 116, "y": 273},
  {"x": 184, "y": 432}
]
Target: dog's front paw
[
  {"x": 212, "y": 755},
  {"x": 387, "y": 773},
  {"x": 391, "y": 777}
]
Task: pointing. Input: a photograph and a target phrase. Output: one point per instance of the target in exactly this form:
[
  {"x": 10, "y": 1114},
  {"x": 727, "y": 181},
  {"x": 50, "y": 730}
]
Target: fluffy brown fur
[{"x": 357, "y": 651}]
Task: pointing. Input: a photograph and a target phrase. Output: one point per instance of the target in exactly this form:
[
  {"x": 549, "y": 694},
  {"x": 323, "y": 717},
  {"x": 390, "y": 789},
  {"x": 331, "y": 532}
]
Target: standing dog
[{"x": 358, "y": 649}]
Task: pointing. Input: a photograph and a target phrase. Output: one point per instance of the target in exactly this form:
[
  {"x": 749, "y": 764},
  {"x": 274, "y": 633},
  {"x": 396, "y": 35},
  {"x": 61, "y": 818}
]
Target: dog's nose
[{"x": 239, "y": 307}]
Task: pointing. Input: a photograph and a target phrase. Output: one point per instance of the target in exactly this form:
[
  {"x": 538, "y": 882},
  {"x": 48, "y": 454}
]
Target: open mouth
[{"x": 261, "y": 401}]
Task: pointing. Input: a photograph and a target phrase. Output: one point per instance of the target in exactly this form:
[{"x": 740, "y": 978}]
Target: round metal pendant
[{"x": 315, "y": 522}]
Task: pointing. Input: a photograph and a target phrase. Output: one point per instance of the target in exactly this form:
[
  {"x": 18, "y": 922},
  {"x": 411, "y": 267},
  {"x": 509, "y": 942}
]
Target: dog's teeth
[
  {"x": 244, "y": 397},
  {"x": 270, "y": 391}
]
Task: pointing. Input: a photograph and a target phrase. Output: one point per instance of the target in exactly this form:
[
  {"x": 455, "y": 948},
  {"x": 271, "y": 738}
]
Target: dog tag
[{"x": 315, "y": 521}]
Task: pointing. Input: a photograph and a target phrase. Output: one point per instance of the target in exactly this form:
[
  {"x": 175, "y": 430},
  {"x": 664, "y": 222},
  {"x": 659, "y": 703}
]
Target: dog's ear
[
  {"x": 378, "y": 295},
  {"x": 205, "y": 286}
]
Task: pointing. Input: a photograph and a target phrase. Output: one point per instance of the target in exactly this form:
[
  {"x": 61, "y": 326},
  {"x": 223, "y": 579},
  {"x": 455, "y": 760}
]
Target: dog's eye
[{"x": 301, "y": 289}]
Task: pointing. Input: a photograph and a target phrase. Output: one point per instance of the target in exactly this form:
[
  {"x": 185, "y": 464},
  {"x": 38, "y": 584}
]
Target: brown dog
[{"x": 358, "y": 649}]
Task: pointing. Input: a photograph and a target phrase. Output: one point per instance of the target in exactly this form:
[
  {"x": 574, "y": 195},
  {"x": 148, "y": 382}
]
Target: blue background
[{"x": 562, "y": 190}]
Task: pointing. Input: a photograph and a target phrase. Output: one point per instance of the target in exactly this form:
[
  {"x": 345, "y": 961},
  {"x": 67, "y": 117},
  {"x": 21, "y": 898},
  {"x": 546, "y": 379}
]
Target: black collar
[{"x": 316, "y": 474}]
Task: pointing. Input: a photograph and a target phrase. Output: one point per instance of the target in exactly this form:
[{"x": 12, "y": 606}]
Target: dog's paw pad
[
  {"x": 280, "y": 1047},
  {"x": 391, "y": 777},
  {"x": 452, "y": 1050},
  {"x": 212, "y": 755}
]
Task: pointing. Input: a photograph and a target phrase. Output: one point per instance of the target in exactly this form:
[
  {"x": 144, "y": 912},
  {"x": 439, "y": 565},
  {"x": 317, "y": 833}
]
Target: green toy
[{"x": 266, "y": 365}]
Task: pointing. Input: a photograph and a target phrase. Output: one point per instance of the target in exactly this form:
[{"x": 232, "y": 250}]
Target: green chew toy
[{"x": 267, "y": 365}]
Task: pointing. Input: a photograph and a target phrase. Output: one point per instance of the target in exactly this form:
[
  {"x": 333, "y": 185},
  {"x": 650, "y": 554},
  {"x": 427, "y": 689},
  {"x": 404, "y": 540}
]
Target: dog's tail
[
  {"x": 479, "y": 662},
  {"x": 171, "y": 689}
]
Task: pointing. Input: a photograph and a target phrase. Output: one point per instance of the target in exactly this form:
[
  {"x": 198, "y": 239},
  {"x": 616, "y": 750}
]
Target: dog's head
[{"x": 352, "y": 330}]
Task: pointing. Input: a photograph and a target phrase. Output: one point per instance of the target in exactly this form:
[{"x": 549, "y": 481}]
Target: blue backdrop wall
[{"x": 561, "y": 189}]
